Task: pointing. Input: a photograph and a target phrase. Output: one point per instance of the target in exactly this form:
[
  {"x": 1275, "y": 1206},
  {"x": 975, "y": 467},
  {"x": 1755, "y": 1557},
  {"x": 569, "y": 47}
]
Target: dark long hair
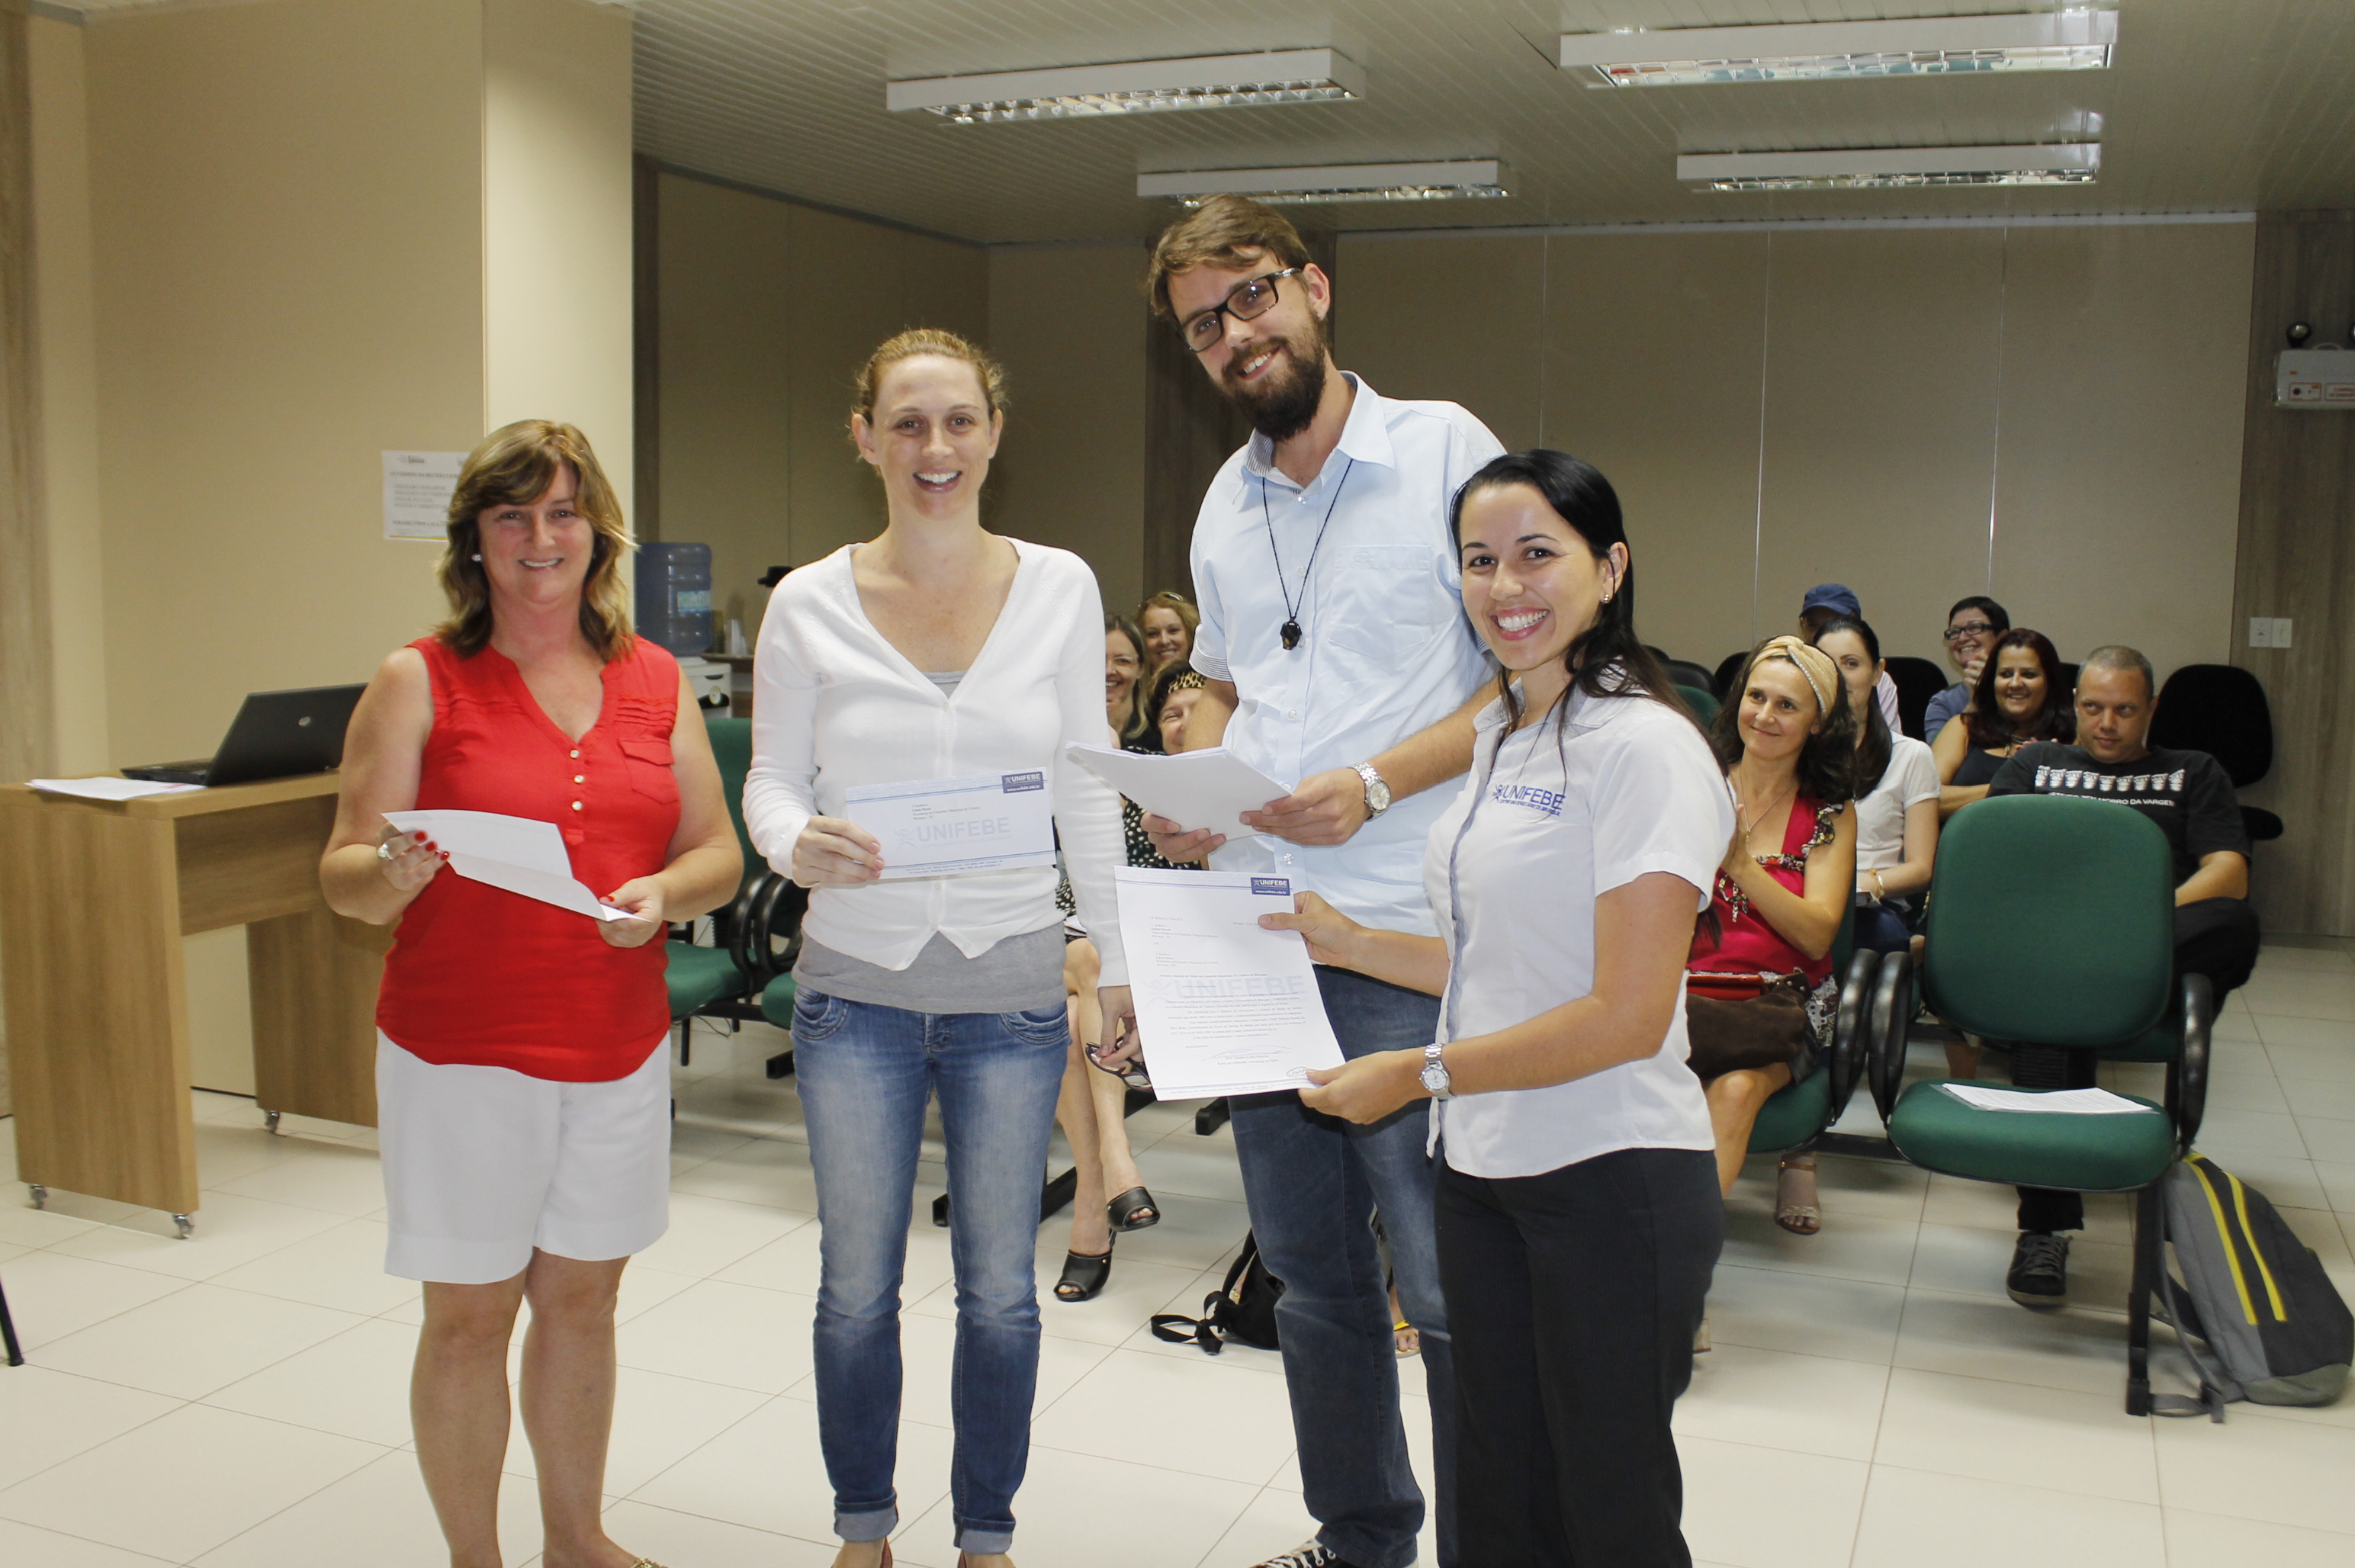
[
  {"x": 1607, "y": 659},
  {"x": 1872, "y": 751},
  {"x": 1133, "y": 728},
  {"x": 2056, "y": 720},
  {"x": 1827, "y": 764}
]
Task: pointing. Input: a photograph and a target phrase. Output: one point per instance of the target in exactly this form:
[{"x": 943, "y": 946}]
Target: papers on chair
[
  {"x": 109, "y": 789},
  {"x": 1224, "y": 1007},
  {"x": 947, "y": 828},
  {"x": 2068, "y": 1102},
  {"x": 1208, "y": 789},
  {"x": 520, "y": 854}
]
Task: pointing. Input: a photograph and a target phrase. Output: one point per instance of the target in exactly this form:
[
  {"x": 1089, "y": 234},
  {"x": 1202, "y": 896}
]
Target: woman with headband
[{"x": 1760, "y": 989}]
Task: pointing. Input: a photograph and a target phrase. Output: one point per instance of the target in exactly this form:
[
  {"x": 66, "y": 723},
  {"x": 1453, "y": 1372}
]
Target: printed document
[
  {"x": 946, "y": 827},
  {"x": 2070, "y": 1102},
  {"x": 1209, "y": 788},
  {"x": 520, "y": 854},
  {"x": 109, "y": 789},
  {"x": 1224, "y": 1007}
]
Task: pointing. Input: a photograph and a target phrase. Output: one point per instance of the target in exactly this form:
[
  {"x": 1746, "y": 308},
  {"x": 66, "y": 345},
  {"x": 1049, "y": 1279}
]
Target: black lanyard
[{"x": 1291, "y": 631}]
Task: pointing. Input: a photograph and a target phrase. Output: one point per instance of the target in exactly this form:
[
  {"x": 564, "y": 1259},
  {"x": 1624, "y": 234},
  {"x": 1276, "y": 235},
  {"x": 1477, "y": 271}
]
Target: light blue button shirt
[{"x": 1385, "y": 649}]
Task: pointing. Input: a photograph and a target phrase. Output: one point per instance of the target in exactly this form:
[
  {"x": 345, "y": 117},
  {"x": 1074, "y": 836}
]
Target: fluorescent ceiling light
[
  {"x": 1888, "y": 167},
  {"x": 1837, "y": 51},
  {"x": 1135, "y": 87},
  {"x": 1334, "y": 182}
]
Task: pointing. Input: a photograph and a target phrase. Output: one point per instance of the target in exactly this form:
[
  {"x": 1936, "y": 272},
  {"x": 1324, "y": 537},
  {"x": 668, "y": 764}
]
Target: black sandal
[
  {"x": 1084, "y": 1275},
  {"x": 1124, "y": 1210}
]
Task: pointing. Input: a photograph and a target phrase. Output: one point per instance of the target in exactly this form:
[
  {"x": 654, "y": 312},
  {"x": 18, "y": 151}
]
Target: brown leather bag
[{"x": 1737, "y": 1022}]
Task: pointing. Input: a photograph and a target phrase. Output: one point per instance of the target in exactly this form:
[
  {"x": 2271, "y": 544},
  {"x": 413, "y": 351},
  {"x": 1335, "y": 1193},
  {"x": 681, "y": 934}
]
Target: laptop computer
[{"x": 276, "y": 735}]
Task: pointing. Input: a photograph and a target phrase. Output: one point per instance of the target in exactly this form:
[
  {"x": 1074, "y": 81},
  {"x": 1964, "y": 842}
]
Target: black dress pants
[
  {"x": 1573, "y": 1298},
  {"x": 2215, "y": 937}
]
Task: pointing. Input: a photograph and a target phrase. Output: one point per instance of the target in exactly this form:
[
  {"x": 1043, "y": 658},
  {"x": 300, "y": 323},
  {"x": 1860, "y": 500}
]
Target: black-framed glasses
[
  {"x": 1243, "y": 302},
  {"x": 1968, "y": 629}
]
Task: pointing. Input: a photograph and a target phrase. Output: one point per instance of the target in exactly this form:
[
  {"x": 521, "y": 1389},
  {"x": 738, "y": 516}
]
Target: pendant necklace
[{"x": 1291, "y": 630}]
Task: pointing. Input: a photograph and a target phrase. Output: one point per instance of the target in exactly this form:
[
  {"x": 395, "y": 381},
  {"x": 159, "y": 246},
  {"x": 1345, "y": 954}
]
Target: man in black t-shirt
[{"x": 2188, "y": 794}]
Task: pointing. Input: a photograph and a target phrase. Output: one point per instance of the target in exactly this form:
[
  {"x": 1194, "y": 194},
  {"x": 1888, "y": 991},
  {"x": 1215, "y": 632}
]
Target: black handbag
[
  {"x": 1734, "y": 1022},
  {"x": 1242, "y": 1309}
]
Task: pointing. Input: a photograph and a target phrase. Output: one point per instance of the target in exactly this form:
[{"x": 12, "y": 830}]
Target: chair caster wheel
[
  {"x": 39, "y": 1193},
  {"x": 269, "y": 1121},
  {"x": 185, "y": 1225}
]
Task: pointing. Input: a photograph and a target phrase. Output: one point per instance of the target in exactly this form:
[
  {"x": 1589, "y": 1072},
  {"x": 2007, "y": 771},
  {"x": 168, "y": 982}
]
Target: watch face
[
  {"x": 1434, "y": 1078},
  {"x": 1377, "y": 796}
]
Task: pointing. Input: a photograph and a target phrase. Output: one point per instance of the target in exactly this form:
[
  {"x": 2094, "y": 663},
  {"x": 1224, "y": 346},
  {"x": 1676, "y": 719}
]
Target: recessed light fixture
[
  {"x": 1334, "y": 182},
  {"x": 2074, "y": 39},
  {"x": 1893, "y": 167},
  {"x": 1135, "y": 87}
]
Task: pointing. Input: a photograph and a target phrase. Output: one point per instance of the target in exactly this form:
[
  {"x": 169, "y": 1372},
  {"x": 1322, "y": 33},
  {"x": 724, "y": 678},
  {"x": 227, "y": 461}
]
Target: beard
[{"x": 1282, "y": 403}]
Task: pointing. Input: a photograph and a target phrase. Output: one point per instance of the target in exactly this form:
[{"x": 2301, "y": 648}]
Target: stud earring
[{"x": 478, "y": 555}]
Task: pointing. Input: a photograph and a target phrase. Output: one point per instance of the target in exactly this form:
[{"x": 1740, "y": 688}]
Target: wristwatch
[
  {"x": 1378, "y": 794},
  {"x": 1435, "y": 1073}
]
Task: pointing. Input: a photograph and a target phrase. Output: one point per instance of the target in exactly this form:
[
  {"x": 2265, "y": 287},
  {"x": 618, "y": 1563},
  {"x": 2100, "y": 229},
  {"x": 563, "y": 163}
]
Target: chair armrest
[
  {"x": 1892, "y": 1016},
  {"x": 775, "y": 903},
  {"x": 2187, "y": 1075},
  {"x": 1852, "y": 1028}
]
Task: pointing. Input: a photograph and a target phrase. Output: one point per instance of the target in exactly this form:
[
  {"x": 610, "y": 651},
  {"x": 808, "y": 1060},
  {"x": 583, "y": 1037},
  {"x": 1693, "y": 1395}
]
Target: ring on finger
[{"x": 383, "y": 850}]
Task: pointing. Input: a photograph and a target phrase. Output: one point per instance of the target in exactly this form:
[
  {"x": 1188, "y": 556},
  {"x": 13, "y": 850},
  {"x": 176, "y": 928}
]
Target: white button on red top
[
  {"x": 576, "y": 805},
  {"x": 573, "y": 752},
  {"x": 580, "y": 778}
]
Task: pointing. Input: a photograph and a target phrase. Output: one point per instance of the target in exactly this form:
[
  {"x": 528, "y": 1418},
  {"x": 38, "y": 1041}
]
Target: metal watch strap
[
  {"x": 1366, "y": 772},
  {"x": 1432, "y": 1062}
]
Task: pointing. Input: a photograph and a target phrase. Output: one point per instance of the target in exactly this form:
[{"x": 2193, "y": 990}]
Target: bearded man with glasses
[
  {"x": 1335, "y": 651},
  {"x": 1972, "y": 627}
]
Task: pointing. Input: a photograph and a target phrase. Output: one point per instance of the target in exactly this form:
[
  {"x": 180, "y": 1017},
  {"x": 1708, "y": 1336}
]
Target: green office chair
[
  {"x": 1797, "y": 1115},
  {"x": 724, "y": 980},
  {"x": 1702, "y": 704},
  {"x": 2051, "y": 922}
]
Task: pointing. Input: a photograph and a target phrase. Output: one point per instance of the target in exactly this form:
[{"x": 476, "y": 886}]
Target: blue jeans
[
  {"x": 865, "y": 1073},
  {"x": 1314, "y": 1184}
]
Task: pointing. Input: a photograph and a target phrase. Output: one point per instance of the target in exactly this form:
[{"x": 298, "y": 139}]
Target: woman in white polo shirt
[
  {"x": 1579, "y": 1216},
  {"x": 936, "y": 651}
]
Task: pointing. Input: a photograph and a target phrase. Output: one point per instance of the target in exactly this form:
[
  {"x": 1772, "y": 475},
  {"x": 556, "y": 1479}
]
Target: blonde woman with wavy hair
[{"x": 522, "y": 1087}]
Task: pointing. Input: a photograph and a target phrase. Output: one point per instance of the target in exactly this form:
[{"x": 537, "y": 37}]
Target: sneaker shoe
[
  {"x": 1307, "y": 1554},
  {"x": 2039, "y": 1271}
]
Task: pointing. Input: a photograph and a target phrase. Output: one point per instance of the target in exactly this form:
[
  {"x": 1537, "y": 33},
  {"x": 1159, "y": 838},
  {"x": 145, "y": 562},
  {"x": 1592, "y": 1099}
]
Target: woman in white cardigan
[{"x": 935, "y": 651}]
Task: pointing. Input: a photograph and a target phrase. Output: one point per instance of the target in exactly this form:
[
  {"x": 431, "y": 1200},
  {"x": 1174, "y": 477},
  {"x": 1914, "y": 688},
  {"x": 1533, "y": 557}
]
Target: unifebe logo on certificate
[
  {"x": 1279, "y": 886},
  {"x": 943, "y": 828}
]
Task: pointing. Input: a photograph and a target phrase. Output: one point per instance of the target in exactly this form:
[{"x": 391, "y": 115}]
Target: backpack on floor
[
  {"x": 1242, "y": 1309},
  {"x": 2274, "y": 1328}
]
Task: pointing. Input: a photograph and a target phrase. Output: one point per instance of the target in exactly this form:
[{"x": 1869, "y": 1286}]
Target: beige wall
[
  {"x": 768, "y": 308},
  {"x": 2113, "y": 475},
  {"x": 69, "y": 392},
  {"x": 1069, "y": 322}
]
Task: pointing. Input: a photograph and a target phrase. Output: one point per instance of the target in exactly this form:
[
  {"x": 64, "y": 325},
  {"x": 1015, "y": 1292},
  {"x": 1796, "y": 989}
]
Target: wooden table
[{"x": 100, "y": 892}]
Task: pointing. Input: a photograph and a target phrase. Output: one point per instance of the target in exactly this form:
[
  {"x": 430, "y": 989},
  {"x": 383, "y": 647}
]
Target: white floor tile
[
  {"x": 1989, "y": 1335},
  {"x": 1816, "y": 1315},
  {"x": 1962, "y": 1260},
  {"x": 185, "y": 1483},
  {"x": 193, "y": 1341},
  {"x": 791, "y": 1261},
  {"x": 1081, "y": 1510},
  {"x": 1765, "y": 1507},
  {"x": 23, "y": 1225},
  {"x": 47, "y": 1416},
  {"x": 766, "y": 1472},
  {"x": 2214, "y": 1540},
  {"x": 354, "y": 1385},
  {"x": 1275, "y": 1521},
  {"x": 2289, "y": 1472},
  {"x": 736, "y": 1335},
  {"x": 2009, "y": 1432},
  {"x": 342, "y": 1266},
  {"x": 772, "y": 1173},
  {"x": 2317, "y": 1097},
  {"x": 23, "y": 1544},
  {"x": 225, "y": 1153},
  {"x": 51, "y": 1295},
  {"x": 1774, "y": 1399},
  {"x": 2265, "y": 1135},
  {"x": 379, "y": 1513},
  {"x": 658, "y": 1422},
  {"x": 1238, "y": 1429},
  {"x": 341, "y": 1179},
  {"x": 1916, "y": 1520},
  {"x": 666, "y": 1535},
  {"x": 1197, "y": 1167},
  {"x": 231, "y": 1230},
  {"x": 1848, "y": 1247},
  {"x": 707, "y": 1234}
]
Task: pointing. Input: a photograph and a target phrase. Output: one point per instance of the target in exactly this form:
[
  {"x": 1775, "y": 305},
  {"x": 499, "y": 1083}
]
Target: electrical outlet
[
  {"x": 2281, "y": 631},
  {"x": 2261, "y": 631}
]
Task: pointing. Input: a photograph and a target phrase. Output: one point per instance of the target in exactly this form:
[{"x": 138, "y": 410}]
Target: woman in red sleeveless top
[
  {"x": 1788, "y": 742},
  {"x": 523, "y": 1092}
]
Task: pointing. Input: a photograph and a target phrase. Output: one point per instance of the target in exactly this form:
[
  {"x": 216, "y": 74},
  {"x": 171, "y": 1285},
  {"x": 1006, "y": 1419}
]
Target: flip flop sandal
[
  {"x": 1134, "y": 1211},
  {"x": 1084, "y": 1275},
  {"x": 1799, "y": 1218}
]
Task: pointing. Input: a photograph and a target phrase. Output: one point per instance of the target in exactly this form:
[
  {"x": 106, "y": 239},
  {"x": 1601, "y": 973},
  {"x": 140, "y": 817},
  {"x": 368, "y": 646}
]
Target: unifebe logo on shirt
[
  {"x": 1015, "y": 783},
  {"x": 1279, "y": 887}
]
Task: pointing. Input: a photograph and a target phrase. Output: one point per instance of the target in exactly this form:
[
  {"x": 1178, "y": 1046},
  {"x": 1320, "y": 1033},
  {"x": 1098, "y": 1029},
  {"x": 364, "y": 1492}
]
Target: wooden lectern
[{"x": 100, "y": 893}]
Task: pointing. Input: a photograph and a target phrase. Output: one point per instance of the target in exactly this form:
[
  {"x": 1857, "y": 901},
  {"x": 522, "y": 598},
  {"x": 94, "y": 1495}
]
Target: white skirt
[{"x": 483, "y": 1164}]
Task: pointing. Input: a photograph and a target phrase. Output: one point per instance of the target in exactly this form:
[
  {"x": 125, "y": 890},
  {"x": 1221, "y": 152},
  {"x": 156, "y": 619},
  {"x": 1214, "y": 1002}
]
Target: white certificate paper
[
  {"x": 946, "y": 827},
  {"x": 1209, "y": 788},
  {"x": 1224, "y": 1007},
  {"x": 521, "y": 854}
]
